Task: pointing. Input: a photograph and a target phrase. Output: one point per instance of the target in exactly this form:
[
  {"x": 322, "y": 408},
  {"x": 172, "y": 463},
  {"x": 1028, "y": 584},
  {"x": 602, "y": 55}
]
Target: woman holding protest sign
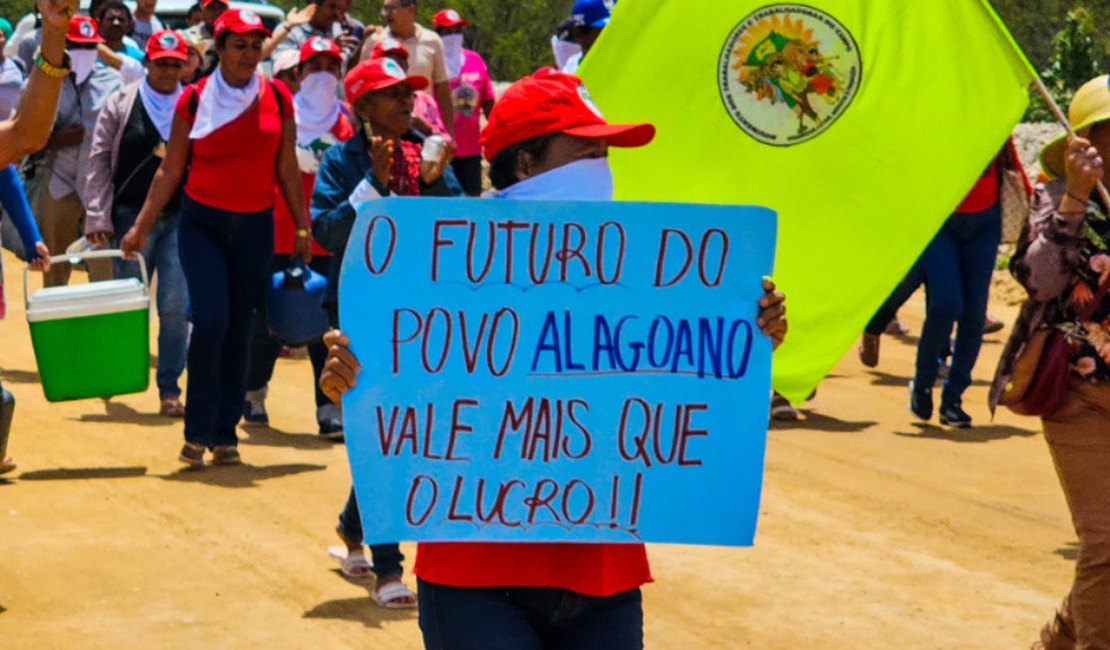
[
  {"x": 389, "y": 158},
  {"x": 538, "y": 595},
  {"x": 1061, "y": 261},
  {"x": 234, "y": 124}
]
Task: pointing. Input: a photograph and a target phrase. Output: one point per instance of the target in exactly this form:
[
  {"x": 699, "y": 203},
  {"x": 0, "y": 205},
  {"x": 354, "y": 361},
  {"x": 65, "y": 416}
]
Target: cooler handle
[{"x": 91, "y": 255}]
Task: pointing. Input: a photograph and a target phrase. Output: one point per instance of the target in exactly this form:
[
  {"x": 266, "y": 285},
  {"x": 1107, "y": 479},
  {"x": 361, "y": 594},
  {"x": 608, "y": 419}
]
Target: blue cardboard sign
[{"x": 557, "y": 371}]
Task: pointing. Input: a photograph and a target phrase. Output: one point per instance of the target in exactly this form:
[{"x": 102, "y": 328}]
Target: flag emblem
[{"x": 787, "y": 72}]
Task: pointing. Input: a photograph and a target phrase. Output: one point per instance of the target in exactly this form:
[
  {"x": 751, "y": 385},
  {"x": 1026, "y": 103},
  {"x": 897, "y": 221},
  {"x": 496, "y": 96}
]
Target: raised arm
[{"x": 27, "y": 131}]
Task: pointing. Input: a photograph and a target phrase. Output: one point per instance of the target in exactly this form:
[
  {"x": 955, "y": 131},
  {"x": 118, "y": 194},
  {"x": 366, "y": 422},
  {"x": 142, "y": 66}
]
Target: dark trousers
[
  {"x": 386, "y": 558},
  {"x": 958, "y": 267},
  {"x": 468, "y": 171},
  {"x": 226, "y": 257},
  {"x": 889, "y": 309},
  {"x": 265, "y": 349},
  {"x": 528, "y": 618}
]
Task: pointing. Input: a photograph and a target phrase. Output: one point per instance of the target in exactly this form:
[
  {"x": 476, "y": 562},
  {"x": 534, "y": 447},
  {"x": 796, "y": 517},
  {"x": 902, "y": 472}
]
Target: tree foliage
[{"x": 1075, "y": 59}]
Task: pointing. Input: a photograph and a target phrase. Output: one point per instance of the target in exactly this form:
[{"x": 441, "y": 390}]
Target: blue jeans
[
  {"x": 226, "y": 258},
  {"x": 265, "y": 349},
  {"x": 386, "y": 558},
  {"x": 889, "y": 309},
  {"x": 958, "y": 267},
  {"x": 528, "y": 618},
  {"x": 162, "y": 259}
]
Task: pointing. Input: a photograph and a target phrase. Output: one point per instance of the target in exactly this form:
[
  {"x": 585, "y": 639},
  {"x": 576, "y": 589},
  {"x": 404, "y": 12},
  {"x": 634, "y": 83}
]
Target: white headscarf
[
  {"x": 453, "y": 54},
  {"x": 316, "y": 106},
  {"x": 219, "y": 103},
  {"x": 81, "y": 62},
  {"x": 159, "y": 107}
]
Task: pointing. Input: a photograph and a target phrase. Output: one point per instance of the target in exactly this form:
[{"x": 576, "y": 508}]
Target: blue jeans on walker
[
  {"x": 226, "y": 258},
  {"x": 386, "y": 558},
  {"x": 958, "y": 267},
  {"x": 162, "y": 260},
  {"x": 528, "y": 618}
]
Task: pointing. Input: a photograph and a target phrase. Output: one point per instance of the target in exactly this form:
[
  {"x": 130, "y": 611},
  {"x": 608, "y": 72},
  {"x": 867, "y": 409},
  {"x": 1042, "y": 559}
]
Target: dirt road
[{"x": 875, "y": 533}]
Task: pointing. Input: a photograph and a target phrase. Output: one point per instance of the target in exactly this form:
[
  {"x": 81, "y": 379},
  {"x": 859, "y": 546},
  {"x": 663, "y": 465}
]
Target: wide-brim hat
[{"x": 1090, "y": 106}]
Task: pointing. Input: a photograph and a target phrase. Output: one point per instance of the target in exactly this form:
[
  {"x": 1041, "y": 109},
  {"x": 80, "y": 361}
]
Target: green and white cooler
[{"x": 91, "y": 340}]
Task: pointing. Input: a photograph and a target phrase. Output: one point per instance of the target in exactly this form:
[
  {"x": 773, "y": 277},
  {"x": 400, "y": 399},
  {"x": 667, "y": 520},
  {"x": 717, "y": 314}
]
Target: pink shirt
[
  {"x": 469, "y": 91},
  {"x": 425, "y": 106}
]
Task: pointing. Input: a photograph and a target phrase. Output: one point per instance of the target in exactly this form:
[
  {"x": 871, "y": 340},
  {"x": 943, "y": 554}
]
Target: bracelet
[
  {"x": 1078, "y": 198},
  {"x": 50, "y": 70},
  {"x": 303, "y": 234}
]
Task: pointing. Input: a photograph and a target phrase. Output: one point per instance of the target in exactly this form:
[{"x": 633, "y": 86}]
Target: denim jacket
[{"x": 342, "y": 168}]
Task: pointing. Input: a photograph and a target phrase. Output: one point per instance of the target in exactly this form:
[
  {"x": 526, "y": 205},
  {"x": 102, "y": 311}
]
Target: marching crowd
[{"x": 323, "y": 113}]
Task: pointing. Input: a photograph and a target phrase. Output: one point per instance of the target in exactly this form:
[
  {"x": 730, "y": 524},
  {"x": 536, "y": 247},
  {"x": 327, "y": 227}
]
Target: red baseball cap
[
  {"x": 320, "y": 46},
  {"x": 166, "y": 44},
  {"x": 553, "y": 102},
  {"x": 388, "y": 46},
  {"x": 448, "y": 18},
  {"x": 375, "y": 74},
  {"x": 83, "y": 29},
  {"x": 239, "y": 21}
]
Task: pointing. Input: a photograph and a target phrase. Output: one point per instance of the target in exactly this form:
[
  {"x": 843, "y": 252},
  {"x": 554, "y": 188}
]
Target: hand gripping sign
[{"x": 557, "y": 371}]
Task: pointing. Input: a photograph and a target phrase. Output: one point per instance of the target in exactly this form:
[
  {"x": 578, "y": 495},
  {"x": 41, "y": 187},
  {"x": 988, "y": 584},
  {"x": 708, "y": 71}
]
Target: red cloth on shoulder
[
  {"x": 234, "y": 168},
  {"x": 590, "y": 569},
  {"x": 285, "y": 234}
]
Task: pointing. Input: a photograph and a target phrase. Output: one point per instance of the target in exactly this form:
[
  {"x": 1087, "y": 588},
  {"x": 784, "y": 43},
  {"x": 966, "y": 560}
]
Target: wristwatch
[
  {"x": 303, "y": 234},
  {"x": 51, "y": 70}
]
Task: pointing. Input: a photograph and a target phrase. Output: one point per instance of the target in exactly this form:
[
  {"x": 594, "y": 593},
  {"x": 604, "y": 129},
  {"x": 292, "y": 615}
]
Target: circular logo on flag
[
  {"x": 390, "y": 67},
  {"x": 249, "y": 17},
  {"x": 86, "y": 29},
  {"x": 167, "y": 41},
  {"x": 319, "y": 44},
  {"x": 787, "y": 73}
]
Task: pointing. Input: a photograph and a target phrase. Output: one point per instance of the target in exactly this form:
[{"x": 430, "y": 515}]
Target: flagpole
[{"x": 1063, "y": 120}]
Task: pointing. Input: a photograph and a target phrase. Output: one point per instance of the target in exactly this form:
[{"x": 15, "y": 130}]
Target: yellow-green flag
[{"x": 863, "y": 123}]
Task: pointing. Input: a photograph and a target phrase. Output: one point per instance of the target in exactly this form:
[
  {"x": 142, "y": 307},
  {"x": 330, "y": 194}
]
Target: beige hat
[{"x": 1090, "y": 106}]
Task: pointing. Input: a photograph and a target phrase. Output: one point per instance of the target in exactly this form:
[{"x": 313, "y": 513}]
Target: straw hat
[{"x": 1090, "y": 106}]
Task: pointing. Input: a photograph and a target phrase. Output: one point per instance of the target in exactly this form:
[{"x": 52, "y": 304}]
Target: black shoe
[
  {"x": 331, "y": 430},
  {"x": 921, "y": 402},
  {"x": 954, "y": 416}
]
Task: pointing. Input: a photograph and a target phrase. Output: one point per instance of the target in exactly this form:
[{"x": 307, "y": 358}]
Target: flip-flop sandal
[
  {"x": 7, "y": 465},
  {"x": 353, "y": 565},
  {"x": 391, "y": 595}
]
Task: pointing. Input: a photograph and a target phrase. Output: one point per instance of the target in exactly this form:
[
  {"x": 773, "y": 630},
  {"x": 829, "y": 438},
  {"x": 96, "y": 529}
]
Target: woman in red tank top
[{"x": 232, "y": 140}]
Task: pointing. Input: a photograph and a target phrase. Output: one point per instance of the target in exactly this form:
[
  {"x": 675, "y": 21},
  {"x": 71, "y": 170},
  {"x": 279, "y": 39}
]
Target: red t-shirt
[
  {"x": 985, "y": 192},
  {"x": 285, "y": 235},
  {"x": 590, "y": 569},
  {"x": 234, "y": 168}
]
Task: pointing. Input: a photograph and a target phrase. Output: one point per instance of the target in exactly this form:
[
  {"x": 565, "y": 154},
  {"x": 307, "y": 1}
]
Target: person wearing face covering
[
  {"x": 385, "y": 159},
  {"x": 322, "y": 121},
  {"x": 129, "y": 143},
  {"x": 531, "y": 596},
  {"x": 232, "y": 140},
  {"x": 471, "y": 94},
  {"x": 59, "y": 196}
]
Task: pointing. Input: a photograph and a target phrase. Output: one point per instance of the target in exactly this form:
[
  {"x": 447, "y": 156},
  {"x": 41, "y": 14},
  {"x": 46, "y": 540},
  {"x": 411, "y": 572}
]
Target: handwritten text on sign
[{"x": 544, "y": 371}]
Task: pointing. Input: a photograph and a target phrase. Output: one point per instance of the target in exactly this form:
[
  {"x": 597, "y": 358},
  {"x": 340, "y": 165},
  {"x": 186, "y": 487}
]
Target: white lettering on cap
[
  {"x": 390, "y": 67},
  {"x": 589, "y": 101}
]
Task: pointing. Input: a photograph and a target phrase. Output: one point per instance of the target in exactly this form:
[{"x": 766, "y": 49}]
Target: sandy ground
[{"x": 876, "y": 532}]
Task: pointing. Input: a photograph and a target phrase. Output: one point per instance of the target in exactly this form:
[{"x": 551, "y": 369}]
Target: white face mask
[
  {"x": 453, "y": 54},
  {"x": 319, "y": 91},
  {"x": 590, "y": 179},
  {"x": 82, "y": 62}
]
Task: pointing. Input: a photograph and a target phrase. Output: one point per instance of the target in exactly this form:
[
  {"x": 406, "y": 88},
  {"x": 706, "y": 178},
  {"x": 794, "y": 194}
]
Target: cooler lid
[
  {"x": 93, "y": 291},
  {"x": 87, "y": 300}
]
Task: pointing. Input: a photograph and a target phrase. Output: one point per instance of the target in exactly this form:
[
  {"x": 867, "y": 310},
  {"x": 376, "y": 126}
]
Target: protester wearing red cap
[
  {"x": 386, "y": 158},
  {"x": 322, "y": 121},
  {"x": 425, "y": 111},
  {"x": 60, "y": 206},
  {"x": 128, "y": 144},
  {"x": 471, "y": 95},
  {"x": 425, "y": 52},
  {"x": 545, "y": 140},
  {"x": 202, "y": 34},
  {"x": 233, "y": 139}
]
